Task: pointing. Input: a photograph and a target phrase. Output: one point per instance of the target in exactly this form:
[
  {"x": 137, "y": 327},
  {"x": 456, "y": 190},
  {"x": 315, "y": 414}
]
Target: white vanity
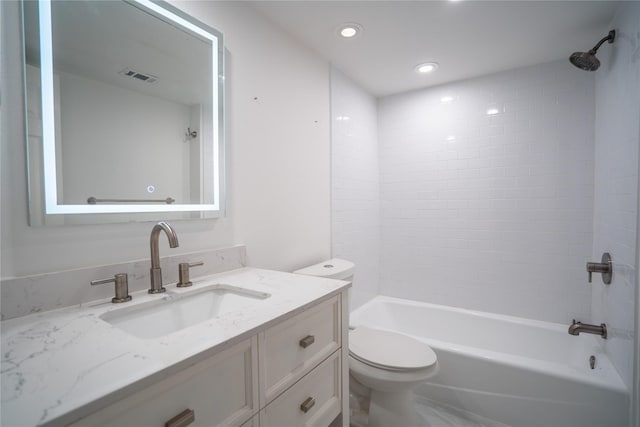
[
  {"x": 241, "y": 346},
  {"x": 271, "y": 357}
]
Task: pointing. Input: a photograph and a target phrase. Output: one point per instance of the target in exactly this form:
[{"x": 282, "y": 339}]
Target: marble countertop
[{"x": 61, "y": 365}]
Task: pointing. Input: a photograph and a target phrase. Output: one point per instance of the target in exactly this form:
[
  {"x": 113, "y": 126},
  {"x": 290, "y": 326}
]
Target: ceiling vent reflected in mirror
[{"x": 144, "y": 77}]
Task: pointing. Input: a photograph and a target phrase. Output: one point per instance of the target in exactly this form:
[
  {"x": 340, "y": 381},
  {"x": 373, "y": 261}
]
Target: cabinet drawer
[
  {"x": 292, "y": 348},
  {"x": 222, "y": 391},
  {"x": 312, "y": 401}
]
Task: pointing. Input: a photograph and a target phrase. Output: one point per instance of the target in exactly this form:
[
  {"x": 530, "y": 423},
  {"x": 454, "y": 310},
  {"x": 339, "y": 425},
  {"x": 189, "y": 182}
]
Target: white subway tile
[{"x": 513, "y": 189}]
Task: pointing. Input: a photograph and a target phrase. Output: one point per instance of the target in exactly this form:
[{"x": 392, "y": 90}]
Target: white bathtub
[{"x": 516, "y": 371}]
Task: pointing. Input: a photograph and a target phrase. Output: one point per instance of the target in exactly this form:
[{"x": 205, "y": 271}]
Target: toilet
[{"x": 389, "y": 364}]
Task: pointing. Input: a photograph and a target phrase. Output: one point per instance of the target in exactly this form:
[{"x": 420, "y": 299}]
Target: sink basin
[{"x": 178, "y": 311}]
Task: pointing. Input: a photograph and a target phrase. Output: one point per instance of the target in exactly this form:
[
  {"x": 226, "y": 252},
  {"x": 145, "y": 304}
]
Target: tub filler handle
[{"x": 605, "y": 267}]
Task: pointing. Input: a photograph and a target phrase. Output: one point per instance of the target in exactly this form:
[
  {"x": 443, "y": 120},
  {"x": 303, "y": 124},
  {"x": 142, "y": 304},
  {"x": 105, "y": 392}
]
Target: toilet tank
[{"x": 334, "y": 268}]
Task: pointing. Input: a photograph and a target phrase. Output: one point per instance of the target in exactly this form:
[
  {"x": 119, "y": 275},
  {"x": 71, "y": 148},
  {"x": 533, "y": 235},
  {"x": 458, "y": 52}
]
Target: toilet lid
[{"x": 389, "y": 350}]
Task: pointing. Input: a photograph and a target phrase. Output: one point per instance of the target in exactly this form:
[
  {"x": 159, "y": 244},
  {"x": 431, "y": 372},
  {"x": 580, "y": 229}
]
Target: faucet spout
[
  {"x": 156, "y": 271},
  {"x": 577, "y": 327}
]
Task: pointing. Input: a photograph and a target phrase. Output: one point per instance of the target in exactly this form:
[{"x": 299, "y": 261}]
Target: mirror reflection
[{"x": 124, "y": 106}]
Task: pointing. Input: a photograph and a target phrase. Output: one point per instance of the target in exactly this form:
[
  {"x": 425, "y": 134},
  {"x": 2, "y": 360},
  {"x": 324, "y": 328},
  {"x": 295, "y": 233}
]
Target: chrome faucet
[
  {"x": 576, "y": 327},
  {"x": 156, "y": 271}
]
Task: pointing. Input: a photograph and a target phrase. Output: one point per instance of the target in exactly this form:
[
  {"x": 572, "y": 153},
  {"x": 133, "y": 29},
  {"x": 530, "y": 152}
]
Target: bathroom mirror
[{"x": 124, "y": 105}]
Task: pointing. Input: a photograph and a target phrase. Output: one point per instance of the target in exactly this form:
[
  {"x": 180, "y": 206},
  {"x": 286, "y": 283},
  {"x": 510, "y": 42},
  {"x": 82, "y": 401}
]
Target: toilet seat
[{"x": 390, "y": 351}]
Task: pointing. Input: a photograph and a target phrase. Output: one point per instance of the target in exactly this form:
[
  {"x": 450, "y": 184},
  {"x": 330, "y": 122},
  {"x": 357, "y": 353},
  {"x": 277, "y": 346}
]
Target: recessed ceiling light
[
  {"x": 446, "y": 99},
  {"x": 426, "y": 67},
  {"x": 492, "y": 111},
  {"x": 350, "y": 30},
  {"x": 451, "y": 138}
]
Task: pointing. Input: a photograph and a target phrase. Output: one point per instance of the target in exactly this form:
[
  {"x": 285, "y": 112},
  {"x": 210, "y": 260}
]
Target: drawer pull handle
[
  {"x": 183, "y": 419},
  {"x": 307, "y": 341},
  {"x": 307, "y": 404}
]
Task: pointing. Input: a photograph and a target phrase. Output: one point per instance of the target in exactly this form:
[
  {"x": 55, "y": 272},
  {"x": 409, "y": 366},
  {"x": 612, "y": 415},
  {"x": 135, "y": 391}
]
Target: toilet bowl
[{"x": 390, "y": 364}]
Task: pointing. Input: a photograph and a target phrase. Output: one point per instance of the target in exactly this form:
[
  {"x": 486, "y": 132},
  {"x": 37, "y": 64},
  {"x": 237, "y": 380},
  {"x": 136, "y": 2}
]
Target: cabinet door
[
  {"x": 221, "y": 391},
  {"x": 292, "y": 348},
  {"x": 312, "y": 401}
]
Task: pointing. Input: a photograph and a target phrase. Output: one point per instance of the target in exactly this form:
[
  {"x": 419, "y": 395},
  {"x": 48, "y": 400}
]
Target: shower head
[{"x": 587, "y": 60}]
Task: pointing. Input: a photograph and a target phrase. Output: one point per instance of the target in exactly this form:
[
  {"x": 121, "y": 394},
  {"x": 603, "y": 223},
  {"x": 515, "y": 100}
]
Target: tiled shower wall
[
  {"x": 617, "y": 137},
  {"x": 355, "y": 207},
  {"x": 491, "y": 212}
]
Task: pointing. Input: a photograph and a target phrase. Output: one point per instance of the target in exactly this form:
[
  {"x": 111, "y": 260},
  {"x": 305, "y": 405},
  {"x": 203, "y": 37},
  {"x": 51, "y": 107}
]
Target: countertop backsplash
[{"x": 21, "y": 296}]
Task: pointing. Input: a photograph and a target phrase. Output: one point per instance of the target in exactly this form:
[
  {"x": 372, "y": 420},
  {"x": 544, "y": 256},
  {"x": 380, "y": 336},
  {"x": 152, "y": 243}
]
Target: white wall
[
  {"x": 500, "y": 217},
  {"x": 278, "y": 159},
  {"x": 617, "y": 137},
  {"x": 355, "y": 205}
]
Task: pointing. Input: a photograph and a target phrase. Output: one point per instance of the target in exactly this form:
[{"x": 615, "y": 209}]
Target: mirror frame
[{"x": 172, "y": 16}]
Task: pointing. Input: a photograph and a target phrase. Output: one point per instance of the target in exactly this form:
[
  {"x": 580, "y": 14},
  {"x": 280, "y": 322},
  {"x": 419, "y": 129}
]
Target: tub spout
[{"x": 576, "y": 327}]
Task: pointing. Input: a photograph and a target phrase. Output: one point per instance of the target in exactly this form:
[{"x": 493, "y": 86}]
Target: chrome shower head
[{"x": 587, "y": 60}]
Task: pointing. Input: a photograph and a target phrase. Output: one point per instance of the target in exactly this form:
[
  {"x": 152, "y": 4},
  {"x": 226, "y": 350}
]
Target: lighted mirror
[{"x": 124, "y": 112}]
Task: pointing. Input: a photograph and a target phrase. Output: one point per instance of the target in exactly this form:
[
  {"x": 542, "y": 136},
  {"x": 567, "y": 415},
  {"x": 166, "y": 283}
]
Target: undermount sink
[{"x": 178, "y": 311}]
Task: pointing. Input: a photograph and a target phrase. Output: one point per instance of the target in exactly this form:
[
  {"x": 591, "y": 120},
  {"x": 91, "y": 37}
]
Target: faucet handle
[
  {"x": 121, "y": 281},
  {"x": 183, "y": 273},
  {"x": 605, "y": 266}
]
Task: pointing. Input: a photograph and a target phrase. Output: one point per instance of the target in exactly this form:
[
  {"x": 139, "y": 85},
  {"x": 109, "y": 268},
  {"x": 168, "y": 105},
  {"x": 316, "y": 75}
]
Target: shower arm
[{"x": 609, "y": 37}]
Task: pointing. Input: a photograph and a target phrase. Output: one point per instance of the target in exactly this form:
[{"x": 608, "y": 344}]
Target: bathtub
[{"x": 515, "y": 371}]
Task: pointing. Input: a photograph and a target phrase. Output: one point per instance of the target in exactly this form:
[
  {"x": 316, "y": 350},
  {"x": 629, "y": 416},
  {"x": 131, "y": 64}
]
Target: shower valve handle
[{"x": 605, "y": 267}]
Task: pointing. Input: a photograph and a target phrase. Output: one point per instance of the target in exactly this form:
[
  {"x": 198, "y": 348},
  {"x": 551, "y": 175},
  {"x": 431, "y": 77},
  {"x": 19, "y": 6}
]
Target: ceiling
[{"x": 468, "y": 38}]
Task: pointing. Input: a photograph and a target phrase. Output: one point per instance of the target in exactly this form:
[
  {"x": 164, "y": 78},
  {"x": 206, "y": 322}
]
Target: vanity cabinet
[
  {"x": 221, "y": 391},
  {"x": 288, "y": 374},
  {"x": 253, "y": 422}
]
